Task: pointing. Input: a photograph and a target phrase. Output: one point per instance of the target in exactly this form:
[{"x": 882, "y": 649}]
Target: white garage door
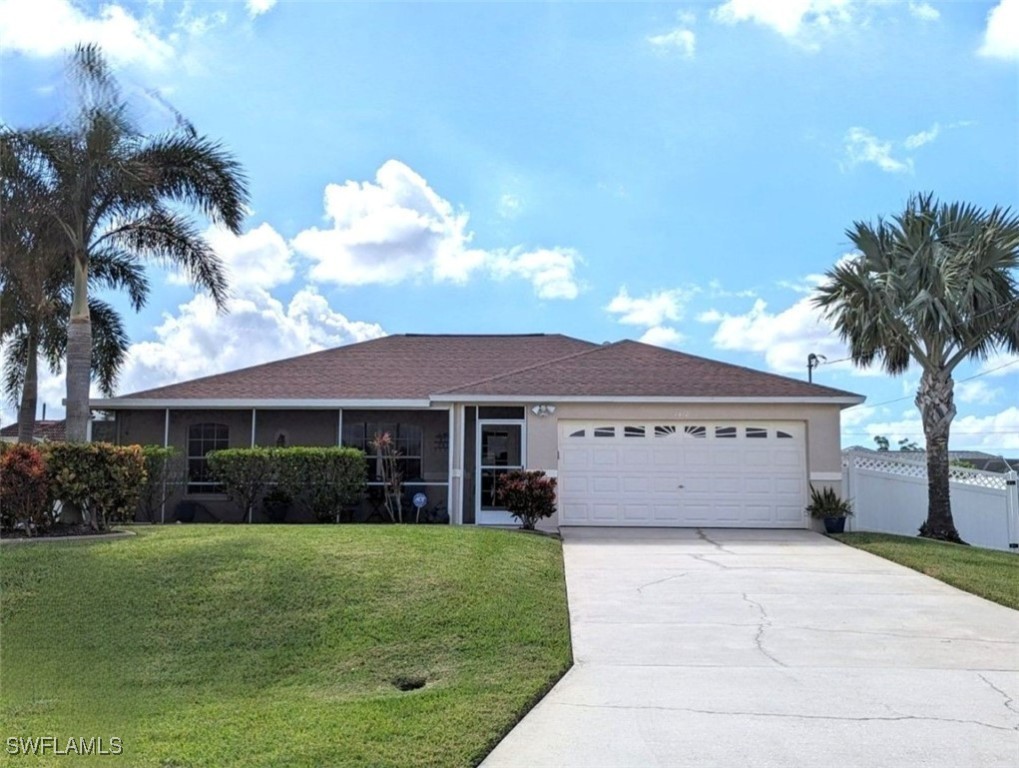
[{"x": 724, "y": 474}]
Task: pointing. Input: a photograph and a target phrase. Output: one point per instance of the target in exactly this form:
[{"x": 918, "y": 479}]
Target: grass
[
  {"x": 281, "y": 645},
  {"x": 988, "y": 573}
]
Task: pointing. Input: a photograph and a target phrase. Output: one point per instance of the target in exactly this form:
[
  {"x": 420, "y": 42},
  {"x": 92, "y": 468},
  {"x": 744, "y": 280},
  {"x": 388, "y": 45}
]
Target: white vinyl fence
[{"x": 889, "y": 495}]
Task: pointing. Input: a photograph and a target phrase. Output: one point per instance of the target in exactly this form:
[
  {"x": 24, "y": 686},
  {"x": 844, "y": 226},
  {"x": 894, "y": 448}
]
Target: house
[
  {"x": 637, "y": 435},
  {"x": 45, "y": 431}
]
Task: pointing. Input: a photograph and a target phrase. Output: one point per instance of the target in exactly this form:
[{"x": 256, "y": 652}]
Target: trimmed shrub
[
  {"x": 245, "y": 474},
  {"x": 164, "y": 472},
  {"x": 324, "y": 481},
  {"x": 104, "y": 481},
  {"x": 528, "y": 495},
  {"x": 24, "y": 489}
]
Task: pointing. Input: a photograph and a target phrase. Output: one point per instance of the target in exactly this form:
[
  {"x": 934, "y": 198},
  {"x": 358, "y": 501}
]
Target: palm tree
[
  {"x": 36, "y": 279},
  {"x": 935, "y": 285},
  {"x": 119, "y": 190}
]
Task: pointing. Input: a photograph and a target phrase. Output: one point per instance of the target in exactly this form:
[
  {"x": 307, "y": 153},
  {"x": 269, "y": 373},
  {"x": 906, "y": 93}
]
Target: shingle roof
[
  {"x": 632, "y": 369},
  {"x": 44, "y": 430},
  {"x": 407, "y": 367},
  {"x": 420, "y": 367}
]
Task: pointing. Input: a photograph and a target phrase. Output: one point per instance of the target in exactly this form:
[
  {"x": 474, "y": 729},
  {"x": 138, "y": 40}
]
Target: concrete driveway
[{"x": 769, "y": 648}]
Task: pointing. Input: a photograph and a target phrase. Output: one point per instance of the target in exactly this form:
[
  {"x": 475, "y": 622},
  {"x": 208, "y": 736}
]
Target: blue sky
[{"x": 678, "y": 173}]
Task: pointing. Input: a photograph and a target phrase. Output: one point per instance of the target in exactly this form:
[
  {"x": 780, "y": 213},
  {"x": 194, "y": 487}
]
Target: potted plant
[
  {"x": 829, "y": 506},
  {"x": 276, "y": 505}
]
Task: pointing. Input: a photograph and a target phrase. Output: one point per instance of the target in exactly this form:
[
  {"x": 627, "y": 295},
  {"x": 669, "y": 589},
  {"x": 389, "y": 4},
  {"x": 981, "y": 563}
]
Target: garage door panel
[{"x": 698, "y": 474}]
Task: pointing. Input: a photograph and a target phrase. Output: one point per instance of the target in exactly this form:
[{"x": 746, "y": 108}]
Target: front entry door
[{"x": 500, "y": 450}]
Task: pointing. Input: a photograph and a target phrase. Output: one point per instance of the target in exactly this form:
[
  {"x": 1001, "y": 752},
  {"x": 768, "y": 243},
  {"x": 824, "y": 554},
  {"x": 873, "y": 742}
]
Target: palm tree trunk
[
  {"x": 935, "y": 400},
  {"x": 29, "y": 390},
  {"x": 79, "y": 356}
]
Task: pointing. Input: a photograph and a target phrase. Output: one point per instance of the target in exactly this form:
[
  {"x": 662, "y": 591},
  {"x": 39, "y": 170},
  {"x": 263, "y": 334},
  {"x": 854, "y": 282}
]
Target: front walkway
[{"x": 769, "y": 648}]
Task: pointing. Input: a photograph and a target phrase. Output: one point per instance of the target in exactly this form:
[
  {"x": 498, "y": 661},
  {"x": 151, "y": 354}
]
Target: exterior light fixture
[{"x": 542, "y": 410}]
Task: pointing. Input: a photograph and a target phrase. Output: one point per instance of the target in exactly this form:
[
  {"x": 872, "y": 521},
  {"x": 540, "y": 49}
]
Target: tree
[
  {"x": 117, "y": 189},
  {"x": 905, "y": 444},
  {"x": 36, "y": 281},
  {"x": 935, "y": 285}
]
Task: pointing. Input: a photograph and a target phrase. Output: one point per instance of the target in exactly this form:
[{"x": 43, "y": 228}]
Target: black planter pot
[{"x": 834, "y": 525}]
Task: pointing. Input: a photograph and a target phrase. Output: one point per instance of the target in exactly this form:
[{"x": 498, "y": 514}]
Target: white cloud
[
  {"x": 993, "y": 432},
  {"x": 680, "y": 39},
  {"x": 1001, "y": 38},
  {"x": 784, "y": 338},
  {"x": 198, "y": 341},
  {"x": 861, "y": 146},
  {"x": 651, "y": 310},
  {"x": 793, "y": 19},
  {"x": 258, "y": 258},
  {"x": 920, "y": 138},
  {"x": 258, "y": 7},
  {"x": 398, "y": 228},
  {"x": 43, "y": 28},
  {"x": 924, "y": 11},
  {"x": 717, "y": 291},
  {"x": 662, "y": 336},
  {"x": 550, "y": 270},
  {"x": 1000, "y": 363},
  {"x": 977, "y": 391}
]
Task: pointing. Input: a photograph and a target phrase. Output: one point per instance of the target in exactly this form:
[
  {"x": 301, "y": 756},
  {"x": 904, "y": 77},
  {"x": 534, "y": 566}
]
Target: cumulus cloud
[
  {"x": 993, "y": 432},
  {"x": 549, "y": 270},
  {"x": 681, "y": 40},
  {"x": 258, "y": 7},
  {"x": 793, "y": 19},
  {"x": 1001, "y": 38},
  {"x": 924, "y": 11},
  {"x": 42, "y": 28},
  {"x": 653, "y": 311},
  {"x": 784, "y": 338},
  {"x": 977, "y": 391},
  {"x": 398, "y": 228},
  {"x": 863, "y": 147},
  {"x": 1000, "y": 363},
  {"x": 510, "y": 206},
  {"x": 198, "y": 341},
  {"x": 662, "y": 336},
  {"x": 259, "y": 258}
]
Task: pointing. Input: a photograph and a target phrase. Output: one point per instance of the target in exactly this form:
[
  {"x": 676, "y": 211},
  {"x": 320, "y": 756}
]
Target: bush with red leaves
[
  {"x": 528, "y": 495},
  {"x": 24, "y": 489}
]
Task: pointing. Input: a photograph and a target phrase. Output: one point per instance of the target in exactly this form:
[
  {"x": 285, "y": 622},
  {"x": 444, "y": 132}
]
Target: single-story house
[
  {"x": 46, "y": 430},
  {"x": 637, "y": 435}
]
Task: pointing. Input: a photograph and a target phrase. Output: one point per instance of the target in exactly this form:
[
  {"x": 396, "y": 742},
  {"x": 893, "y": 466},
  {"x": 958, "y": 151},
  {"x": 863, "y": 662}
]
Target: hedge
[
  {"x": 103, "y": 481},
  {"x": 322, "y": 480}
]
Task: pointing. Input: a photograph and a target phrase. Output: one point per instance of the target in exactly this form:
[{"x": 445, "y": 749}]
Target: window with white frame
[{"x": 203, "y": 438}]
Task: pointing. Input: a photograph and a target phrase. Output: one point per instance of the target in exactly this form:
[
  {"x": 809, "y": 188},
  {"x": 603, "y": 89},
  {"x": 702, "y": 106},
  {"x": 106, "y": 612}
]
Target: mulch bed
[{"x": 58, "y": 532}]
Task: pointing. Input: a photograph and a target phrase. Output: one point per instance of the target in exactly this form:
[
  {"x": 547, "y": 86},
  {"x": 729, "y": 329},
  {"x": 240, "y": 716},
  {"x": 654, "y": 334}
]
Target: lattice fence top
[{"x": 904, "y": 467}]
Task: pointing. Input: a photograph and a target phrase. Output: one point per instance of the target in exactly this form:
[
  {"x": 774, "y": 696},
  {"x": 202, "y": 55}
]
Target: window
[
  {"x": 665, "y": 431},
  {"x": 578, "y": 433},
  {"x": 203, "y": 438},
  {"x": 633, "y": 431},
  {"x": 604, "y": 431},
  {"x": 757, "y": 432},
  {"x": 407, "y": 439},
  {"x": 696, "y": 432},
  {"x": 785, "y": 435},
  {"x": 723, "y": 432}
]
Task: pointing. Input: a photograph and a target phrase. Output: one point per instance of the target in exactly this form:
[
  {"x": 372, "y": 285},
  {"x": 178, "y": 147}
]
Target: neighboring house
[
  {"x": 45, "y": 431},
  {"x": 986, "y": 462},
  {"x": 637, "y": 435}
]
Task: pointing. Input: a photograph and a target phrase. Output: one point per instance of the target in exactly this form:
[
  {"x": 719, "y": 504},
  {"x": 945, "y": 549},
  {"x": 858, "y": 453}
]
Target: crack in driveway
[
  {"x": 789, "y": 716},
  {"x": 1009, "y": 701},
  {"x": 761, "y": 626}
]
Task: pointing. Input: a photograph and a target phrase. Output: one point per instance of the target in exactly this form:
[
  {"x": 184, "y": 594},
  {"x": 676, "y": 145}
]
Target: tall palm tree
[
  {"x": 935, "y": 285},
  {"x": 118, "y": 189},
  {"x": 36, "y": 280}
]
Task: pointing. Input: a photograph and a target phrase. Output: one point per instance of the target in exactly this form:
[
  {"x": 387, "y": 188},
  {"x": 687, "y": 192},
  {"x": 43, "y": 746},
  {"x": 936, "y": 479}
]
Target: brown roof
[
  {"x": 419, "y": 367},
  {"x": 631, "y": 369},
  {"x": 44, "y": 430},
  {"x": 407, "y": 367}
]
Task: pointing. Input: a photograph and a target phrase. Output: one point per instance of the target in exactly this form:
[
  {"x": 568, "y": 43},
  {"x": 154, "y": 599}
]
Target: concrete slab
[{"x": 769, "y": 648}]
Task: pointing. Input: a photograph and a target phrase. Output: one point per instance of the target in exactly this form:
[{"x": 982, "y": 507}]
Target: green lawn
[
  {"x": 986, "y": 572},
  {"x": 278, "y": 645}
]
